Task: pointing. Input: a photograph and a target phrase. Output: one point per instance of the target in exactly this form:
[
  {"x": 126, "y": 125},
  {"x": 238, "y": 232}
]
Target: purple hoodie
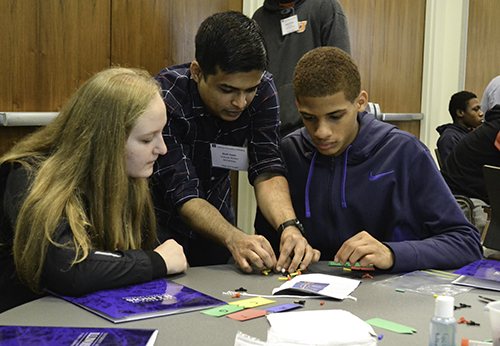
[{"x": 385, "y": 183}]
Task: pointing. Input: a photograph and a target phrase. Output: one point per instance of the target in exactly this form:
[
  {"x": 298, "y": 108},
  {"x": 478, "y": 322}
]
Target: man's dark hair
[
  {"x": 459, "y": 101},
  {"x": 231, "y": 42}
]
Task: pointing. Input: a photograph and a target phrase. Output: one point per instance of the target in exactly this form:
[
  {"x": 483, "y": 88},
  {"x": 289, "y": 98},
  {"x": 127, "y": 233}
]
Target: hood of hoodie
[
  {"x": 445, "y": 127},
  {"x": 367, "y": 139},
  {"x": 274, "y": 5}
]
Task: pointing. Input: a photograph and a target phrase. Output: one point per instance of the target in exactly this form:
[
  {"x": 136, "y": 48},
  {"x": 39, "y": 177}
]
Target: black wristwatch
[{"x": 294, "y": 222}]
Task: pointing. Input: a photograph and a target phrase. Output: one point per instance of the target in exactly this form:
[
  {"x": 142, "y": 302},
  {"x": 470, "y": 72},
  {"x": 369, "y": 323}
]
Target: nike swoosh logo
[{"x": 375, "y": 177}]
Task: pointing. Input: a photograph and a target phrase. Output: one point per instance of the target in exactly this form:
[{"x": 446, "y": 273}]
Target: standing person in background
[
  {"x": 291, "y": 29},
  {"x": 466, "y": 113},
  {"x": 491, "y": 96},
  {"x": 224, "y": 98},
  {"x": 76, "y": 214}
]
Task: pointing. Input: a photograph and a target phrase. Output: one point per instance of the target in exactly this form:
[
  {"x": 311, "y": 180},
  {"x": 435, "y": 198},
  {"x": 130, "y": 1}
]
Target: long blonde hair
[{"x": 78, "y": 167}]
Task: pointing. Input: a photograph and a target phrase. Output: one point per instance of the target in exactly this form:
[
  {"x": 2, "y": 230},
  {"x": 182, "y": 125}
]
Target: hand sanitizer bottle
[{"x": 443, "y": 329}]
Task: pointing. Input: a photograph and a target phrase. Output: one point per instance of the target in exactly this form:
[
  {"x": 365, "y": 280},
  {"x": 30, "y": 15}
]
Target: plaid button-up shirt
[{"x": 186, "y": 171}]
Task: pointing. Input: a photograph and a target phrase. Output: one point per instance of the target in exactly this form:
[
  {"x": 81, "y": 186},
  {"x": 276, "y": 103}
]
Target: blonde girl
[{"x": 75, "y": 208}]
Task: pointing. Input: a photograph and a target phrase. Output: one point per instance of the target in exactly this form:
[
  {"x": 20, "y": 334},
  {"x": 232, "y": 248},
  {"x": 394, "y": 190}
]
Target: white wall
[
  {"x": 445, "y": 46},
  {"x": 249, "y": 6},
  {"x": 247, "y": 204}
]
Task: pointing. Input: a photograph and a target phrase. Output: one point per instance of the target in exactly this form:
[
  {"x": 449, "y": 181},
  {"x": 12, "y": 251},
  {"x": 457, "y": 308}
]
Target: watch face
[{"x": 299, "y": 226}]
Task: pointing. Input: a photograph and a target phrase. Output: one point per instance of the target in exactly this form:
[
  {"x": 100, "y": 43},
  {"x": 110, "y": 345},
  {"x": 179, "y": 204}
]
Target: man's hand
[
  {"x": 295, "y": 249},
  {"x": 247, "y": 250},
  {"x": 273, "y": 198},
  {"x": 365, "y": 249},
  {"x": 251, "y": 251},
  {"x": 173, "y": 255}
]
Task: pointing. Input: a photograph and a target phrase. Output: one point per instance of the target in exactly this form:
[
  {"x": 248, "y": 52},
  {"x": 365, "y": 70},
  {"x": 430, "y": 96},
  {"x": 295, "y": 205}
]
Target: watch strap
[{"x": 295, "y": 222}]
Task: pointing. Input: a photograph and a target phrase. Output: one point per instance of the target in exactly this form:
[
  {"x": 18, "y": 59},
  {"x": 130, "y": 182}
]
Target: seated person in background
[
  {"x": 465, "y": 110},
  {"x": 364, "y": 190},
  {"x": 75, "y": 206},
  {"x": 463, "y": 169},
  {"x": 491, "y": 95}
]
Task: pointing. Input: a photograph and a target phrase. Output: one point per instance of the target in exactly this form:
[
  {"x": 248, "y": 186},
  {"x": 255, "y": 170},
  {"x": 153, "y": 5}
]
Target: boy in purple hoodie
[{"x": 364, "y": 190}]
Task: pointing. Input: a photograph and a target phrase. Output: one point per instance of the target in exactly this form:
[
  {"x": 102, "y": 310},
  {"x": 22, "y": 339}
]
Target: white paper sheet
[{"x": 319, "y": 284}]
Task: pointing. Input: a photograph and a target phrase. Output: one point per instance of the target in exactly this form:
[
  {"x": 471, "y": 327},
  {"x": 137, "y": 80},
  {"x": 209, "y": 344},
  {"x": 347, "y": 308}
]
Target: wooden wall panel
[
  {"x": 387, "y": 43},
  {"x": 185, "y": 20},
  {"x": 140, "y": 34},
  {"x": 387, "y": 39},
  {"x": 159, "y": 33},
  {"x": 48, "y": 49},
  {"x": 483, "y": 48},
  {"x": 10, "y": 135}
]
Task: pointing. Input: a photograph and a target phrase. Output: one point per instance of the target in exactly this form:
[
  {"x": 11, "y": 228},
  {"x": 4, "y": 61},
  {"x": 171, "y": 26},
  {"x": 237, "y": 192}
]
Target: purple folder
[
  {"x": 71, "y": 336},
  {"x": 159, "y": 297}
]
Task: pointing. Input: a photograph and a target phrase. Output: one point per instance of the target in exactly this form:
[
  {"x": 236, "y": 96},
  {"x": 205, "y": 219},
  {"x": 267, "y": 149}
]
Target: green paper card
[
  {"x": 222, "y": 310},
  {"x": 392, "y": 326},
  {"x": 335, "y": 264}
]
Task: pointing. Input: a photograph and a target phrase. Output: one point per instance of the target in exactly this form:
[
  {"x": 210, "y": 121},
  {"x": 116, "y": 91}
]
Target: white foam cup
[{"x": 494, "y": 308}]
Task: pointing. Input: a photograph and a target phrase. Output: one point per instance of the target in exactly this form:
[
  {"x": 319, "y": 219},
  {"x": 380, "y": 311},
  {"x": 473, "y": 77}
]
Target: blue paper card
[
  {"x": 310, "y": 286},
  {"x": 283, "y": 307}
]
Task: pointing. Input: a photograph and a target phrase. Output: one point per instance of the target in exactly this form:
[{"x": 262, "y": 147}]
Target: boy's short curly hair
[
  {"x": 325, "y": 71},
  {"x": 459, "y": 101}
]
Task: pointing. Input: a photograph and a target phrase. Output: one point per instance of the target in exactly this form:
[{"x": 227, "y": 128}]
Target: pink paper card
[{"x": 247, "y": 314}]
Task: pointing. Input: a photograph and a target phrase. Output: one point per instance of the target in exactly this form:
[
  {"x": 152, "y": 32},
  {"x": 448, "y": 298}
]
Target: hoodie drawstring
[
  {"x": 344, "y": 177},
  {"x": 309, "y": 176}
]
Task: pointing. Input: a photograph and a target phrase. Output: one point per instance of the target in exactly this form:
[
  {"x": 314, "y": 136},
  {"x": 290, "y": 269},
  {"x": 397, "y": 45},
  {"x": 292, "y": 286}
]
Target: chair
[
  {"x": 467, "y": 207},
  {"x": 438, "y": 157},
  {"x": 492, "y": 180}
]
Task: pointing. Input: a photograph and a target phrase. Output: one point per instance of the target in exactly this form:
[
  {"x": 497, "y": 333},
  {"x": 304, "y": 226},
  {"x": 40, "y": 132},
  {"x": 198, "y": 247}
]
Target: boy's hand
[{"x": 365, "y": 249}]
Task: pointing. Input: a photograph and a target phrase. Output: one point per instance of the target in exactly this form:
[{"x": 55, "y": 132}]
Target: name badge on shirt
[
  {"x": 289, "y": 25},
  {"x": 229, "y": 157}
]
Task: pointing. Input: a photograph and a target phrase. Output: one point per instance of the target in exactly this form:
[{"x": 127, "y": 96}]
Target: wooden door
[{"x": 387, "y": 43}]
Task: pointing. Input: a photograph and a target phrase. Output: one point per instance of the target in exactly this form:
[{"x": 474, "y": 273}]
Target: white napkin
[{"x": 319, "y": 328}]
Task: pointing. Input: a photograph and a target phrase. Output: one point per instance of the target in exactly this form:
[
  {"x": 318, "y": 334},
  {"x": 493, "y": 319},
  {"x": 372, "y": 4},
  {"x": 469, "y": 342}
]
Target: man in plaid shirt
[{"x": 224, "y": 97}]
